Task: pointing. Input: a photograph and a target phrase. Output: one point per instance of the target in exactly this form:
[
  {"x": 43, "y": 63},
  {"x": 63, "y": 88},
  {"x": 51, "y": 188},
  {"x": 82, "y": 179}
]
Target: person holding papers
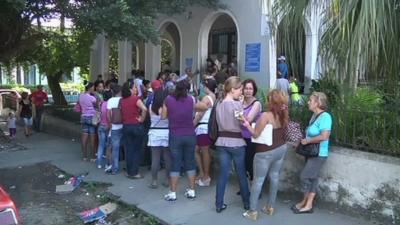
[{"x": 269, "y": 156}]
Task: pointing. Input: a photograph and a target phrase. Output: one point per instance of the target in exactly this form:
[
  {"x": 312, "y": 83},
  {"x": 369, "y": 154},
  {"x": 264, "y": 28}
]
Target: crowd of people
[{"x": 170, "y": 116}]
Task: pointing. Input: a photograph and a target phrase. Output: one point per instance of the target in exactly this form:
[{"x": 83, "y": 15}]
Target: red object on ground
[{"x": 8, "y": 211}]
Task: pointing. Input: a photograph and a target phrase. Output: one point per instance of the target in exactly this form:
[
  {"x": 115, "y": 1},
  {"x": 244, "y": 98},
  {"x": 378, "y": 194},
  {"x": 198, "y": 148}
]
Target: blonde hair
[
  {"x": 232, "y": 82},
  {"x": 321, "y": 99}
]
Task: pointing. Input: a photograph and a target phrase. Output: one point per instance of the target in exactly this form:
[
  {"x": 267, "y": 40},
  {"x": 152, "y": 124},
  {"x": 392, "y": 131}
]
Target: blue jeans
[
  {"x": 182, "y": 153},
  {"x": 226, "y": 154},
  {"x": 115, "y": 144},
  {"x": 133, "y": 137},
  {"x": 102, "y": 133}
]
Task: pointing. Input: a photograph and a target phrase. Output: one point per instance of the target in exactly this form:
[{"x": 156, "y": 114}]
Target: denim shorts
[
  {"x": 87, "y": 126},
  {"x": 28, "y": 121}
]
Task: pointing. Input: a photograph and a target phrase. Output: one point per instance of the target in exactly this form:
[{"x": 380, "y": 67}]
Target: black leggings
[{"x": 249, "y": 158}]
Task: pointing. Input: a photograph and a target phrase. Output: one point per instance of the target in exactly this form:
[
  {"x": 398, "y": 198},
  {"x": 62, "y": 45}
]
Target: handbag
[
  {"x": 293, "y": 132},
  {"x": 309, "y": 150},
  {"x": 96, "y": 118},
  {"x": 116, "y": 114},
  {"x": 77, "y": 107}
]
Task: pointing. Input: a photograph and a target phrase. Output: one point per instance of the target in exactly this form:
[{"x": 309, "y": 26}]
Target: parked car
[{"x": 8, "y": 211}]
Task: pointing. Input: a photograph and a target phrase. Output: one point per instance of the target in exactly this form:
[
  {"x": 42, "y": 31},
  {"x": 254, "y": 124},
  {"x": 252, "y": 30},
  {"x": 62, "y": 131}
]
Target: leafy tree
[{"x": 58, "y": 51}]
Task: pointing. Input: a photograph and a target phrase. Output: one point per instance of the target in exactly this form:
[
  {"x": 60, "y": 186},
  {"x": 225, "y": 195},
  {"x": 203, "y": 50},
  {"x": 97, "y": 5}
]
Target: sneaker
[
  {"x": 203, "y": 183},
  {"x": 98, "y": 166},
  {"x": 190, "y": 194},
  {"x": 171, "y": 196}
]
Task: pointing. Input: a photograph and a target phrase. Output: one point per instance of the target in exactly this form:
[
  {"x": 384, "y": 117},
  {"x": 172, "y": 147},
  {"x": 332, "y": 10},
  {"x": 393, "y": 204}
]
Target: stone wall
[
  {"x": 363, "y": 182},
  {"x": 60, "y": 127}
]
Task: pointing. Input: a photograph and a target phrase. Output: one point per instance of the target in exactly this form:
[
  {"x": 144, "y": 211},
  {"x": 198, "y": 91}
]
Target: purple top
[
  {"x": 245, "y": 132},
  {"x": 87, "y": 103},
  {"x": 180, "y": 115}
]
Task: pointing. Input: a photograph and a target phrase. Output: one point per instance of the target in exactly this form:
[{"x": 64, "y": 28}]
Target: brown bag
[{"x": 116, "y": 114}]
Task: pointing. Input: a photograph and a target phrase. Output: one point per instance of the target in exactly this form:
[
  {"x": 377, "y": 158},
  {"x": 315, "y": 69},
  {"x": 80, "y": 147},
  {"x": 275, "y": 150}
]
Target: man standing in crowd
[
  {"x": 282, "y": 84},
  {"x": 39, "y": 98},
  {"x": 283, "y": 67}
]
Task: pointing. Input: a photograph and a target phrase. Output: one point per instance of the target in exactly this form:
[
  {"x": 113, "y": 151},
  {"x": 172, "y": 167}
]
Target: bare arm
[
  {"x": 164, "y": 112},
  {"x": 142, "y": 107},
  {"x": 200, "y": 106},
  {"x": 200, "y": 114},
  {"x": 255, "y": 110},
  {"x": 317, "y": 139},
  {"x": 260, "y": 125}
]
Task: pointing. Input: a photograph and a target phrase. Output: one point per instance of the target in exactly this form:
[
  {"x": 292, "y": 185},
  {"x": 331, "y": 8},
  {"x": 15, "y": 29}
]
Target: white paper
[{"x": 265, "y": 137}]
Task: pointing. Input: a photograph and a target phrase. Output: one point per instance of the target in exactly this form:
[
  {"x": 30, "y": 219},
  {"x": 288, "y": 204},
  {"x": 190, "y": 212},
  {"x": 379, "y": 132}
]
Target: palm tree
[{"x": 360, "y": 38}]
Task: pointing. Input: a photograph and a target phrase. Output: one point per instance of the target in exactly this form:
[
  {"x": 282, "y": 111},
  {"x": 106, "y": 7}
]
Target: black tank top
[{"x": 26, "y": 109}]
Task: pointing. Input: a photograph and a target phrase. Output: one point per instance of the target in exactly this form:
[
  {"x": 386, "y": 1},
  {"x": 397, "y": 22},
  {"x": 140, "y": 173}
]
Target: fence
[
  {"x": 377, "y": 131},
  {"x": 70, "y": 98}
]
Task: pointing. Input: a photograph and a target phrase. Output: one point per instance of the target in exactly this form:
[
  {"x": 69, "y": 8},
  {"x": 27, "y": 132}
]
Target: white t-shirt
[
  {"x": 11, "y": 123},
  {"x": 111, "y": 104},
  {"x": 283, "y": 85}
]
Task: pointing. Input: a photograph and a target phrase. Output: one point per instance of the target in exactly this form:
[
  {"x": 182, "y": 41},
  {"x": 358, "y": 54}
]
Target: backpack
[{"x": 212, "y": 124}]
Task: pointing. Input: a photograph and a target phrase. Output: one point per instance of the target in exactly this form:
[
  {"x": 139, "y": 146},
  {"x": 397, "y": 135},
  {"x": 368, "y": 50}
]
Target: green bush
[{"x": 361, "y": 119}]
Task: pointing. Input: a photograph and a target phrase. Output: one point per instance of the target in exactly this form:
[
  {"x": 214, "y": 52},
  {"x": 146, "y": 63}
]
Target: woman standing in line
[
  {"x": 179, "y": 108},
  {"x": 133, "y": 113},
  {"x": 230, "y": 143},
  {"x": 158, "y": 137},
  {"x": 203, "y": 158},
  {"x": 88, "y": 105},
  {"x": 318, "y": 131},
  {"x": 268, "y": 160},
  {"x": 251, "y": 111}
]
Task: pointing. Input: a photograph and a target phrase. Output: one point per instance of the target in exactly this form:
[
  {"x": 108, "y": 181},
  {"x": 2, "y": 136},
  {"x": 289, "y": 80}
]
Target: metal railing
[{"x": 377, "y": 131}]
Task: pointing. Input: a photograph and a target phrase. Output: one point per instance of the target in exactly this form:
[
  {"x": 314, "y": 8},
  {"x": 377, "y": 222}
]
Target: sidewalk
[{"x": 66, "y": 155}]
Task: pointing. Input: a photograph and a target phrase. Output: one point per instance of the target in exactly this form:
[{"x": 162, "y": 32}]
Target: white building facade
[{"x": 240, "y": 33}]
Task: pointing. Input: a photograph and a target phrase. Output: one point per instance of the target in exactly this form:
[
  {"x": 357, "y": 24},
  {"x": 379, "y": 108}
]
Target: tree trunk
[{"x": 55, "y": 88}]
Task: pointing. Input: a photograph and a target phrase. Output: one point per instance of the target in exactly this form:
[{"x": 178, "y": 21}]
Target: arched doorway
[
  {"x": 219, "y": 39},
  {"x": 170, "y": 58}
]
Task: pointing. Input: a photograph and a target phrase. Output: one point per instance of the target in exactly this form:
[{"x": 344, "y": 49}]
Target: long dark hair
[
  {"x": 181, "y": 89},
  {"x": 88, "y": 85},
  {"x": 126, "y": 89},
  {"x": 158, "y": 101}
]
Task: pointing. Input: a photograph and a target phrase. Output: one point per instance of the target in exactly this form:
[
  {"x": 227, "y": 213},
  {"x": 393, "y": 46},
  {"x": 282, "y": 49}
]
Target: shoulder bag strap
[
  {"x": 251, "y": 104},
  {"x": 315, "y": 119}
]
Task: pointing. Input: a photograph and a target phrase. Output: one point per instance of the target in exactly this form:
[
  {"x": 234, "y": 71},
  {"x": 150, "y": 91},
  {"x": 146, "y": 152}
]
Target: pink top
[
  {"x": 104, "y": 119},
  {"x": 87, "y": 103}
]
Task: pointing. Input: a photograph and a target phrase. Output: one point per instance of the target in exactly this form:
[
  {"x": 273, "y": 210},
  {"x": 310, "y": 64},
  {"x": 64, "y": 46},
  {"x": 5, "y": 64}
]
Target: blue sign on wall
[{"x": 253, "y": 57}]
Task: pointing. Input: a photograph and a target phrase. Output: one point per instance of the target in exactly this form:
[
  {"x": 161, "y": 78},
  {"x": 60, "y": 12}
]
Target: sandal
[
  {"x": 268, "y": 210},
  {"x": 250, "y": 214}
]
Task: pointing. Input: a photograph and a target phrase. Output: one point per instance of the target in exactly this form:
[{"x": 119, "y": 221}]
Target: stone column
[
  {"x": 124, "y": 61},
  {"x": 153, "y": 60},
  {"x": 310, "y": 70},
  {"x": 312, "y": 23},
  {"x": 99, "y": 57}
]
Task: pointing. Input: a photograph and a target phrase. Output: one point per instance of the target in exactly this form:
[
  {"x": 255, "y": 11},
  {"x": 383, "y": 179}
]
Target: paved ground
[{"x": 65, "y": 154}]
